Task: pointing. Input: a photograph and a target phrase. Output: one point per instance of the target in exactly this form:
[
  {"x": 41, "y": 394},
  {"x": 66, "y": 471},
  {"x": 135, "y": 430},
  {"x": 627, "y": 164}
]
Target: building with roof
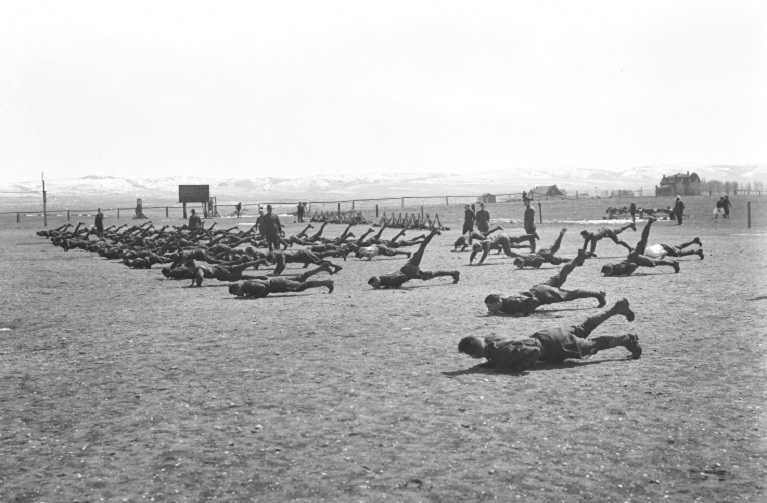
[
  {"x": 548, "y": 191},
  {"x": 680, "y": 184}
]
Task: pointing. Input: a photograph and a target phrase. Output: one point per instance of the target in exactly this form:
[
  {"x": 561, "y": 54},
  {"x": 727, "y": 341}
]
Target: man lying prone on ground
[
  {"x": 637, "y": 258},
  {"x": 411, "y": 270},
  {"x": 260, "y": 288},
  {"x": 555, "y": 345},
  {"x": 549, "y": 292}
]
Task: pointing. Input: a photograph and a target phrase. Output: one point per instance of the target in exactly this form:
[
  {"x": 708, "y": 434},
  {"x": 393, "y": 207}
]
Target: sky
[{"x": 254, "y": 89}]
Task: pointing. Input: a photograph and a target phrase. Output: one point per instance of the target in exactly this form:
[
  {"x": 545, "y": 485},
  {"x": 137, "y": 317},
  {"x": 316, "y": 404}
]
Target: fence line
[{"x": 377, "y": 205}]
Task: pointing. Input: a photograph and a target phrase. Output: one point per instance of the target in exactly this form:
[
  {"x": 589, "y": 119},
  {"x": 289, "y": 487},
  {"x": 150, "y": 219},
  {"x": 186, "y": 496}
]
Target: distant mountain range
[{"x": 337, "y": 187}]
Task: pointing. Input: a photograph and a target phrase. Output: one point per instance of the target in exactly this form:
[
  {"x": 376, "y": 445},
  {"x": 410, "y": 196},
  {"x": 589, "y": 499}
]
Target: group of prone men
[
  {"x": 202, "y": 253},
  {"x": 514, "y": 354},
  {"x": 206, "y": 253}
]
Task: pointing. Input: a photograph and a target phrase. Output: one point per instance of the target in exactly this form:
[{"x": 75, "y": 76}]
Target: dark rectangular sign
[{"x": 193, "y": 193}]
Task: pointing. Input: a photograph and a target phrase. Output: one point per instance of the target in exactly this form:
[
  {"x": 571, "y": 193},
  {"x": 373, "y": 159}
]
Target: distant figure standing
[
  {"x": 633, "y": 211},
  {"x": 530, "y": 227},
  {"x": 525, "y": 197},
  {"x": 468, "y": 219},
  {"x": 727, "y": 206},
  {"x": 678, "y": 209},
  {"x": 194, "y": 221},
  {"x": 483, "y": 219},
  {"x": 300, "y": 211},
  {"x": 238, "y": 209},
  {"x": 99, "y": 223},
  {"x": 271, "y": 228}
]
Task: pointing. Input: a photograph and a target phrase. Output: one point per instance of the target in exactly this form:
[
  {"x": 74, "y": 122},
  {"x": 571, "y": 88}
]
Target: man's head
[
  {"x": 375, "y": 282},
  {"x": 482, "y": 205},
  {"x": 473, "y": 346},
  {"x": 607, "y": 269},
  {"x": 271, "y": 257},
  {"x": 166, "y": 272},
  {"x": 493, "y": 303},
  {"x": 192, "y": 212},
  {"x": 235, "y": 289},
  {"x": 268, "y": 208},
  {"x": 585, "y": 234},
  {"x": 466, "y": 206}
]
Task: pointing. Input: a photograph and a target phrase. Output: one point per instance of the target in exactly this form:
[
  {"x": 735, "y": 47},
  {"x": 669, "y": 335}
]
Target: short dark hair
[
  {"x": 467, "y": 343},
  {"x": 493, "y": 297}
]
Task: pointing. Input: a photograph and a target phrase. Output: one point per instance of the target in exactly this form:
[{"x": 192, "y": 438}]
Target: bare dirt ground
[{"x": 118, "y": 385}]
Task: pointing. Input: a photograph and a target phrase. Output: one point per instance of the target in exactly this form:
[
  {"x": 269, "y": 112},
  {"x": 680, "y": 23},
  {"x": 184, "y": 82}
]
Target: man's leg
[
  {"x": 316, "y": 235},
  {"x": 322, "y": 268},
  {"x": 303, "y": 232},
  {"x": 390, "y": 252},
  {"x": 695, "y": 241},
  {"x": 559, "y": 279},
  {"x": 316, "y": 283},
  {"x": 592, "y": 322},
  {"x": 399, "y": 235},
  {"x": 515, "y": 241},
  {"x": 415, "y": 260},
  {"x": 642, "y": 244},
  {"x": 558, "y": 242},
  {"x": 619, "y": 242},
  {"x": 532, "y": 243},
  {"x": 427, "y": 275},
  {"x": 618, "y": 230},
  {"x": 677, "y": 251}
]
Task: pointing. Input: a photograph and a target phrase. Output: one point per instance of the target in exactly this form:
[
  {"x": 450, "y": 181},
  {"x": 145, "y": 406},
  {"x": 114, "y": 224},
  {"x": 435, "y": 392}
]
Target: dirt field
[{"x": 118, "y": 385}]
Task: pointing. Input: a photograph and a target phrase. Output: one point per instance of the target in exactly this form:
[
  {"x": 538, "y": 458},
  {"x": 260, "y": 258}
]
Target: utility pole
[{"x": 45, "y": 202}]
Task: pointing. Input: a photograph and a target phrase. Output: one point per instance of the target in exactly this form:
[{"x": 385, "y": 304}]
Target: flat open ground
[{"x": 118, "y": 385}]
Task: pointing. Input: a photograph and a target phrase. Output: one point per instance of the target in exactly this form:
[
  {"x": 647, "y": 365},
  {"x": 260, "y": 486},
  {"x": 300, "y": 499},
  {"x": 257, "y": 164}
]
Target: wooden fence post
[
  {"x": 18, "y": 217},
  {"x": 748, "y": 213},
  {"x": 166, "y": 212},
  {"x": 118, "y": 213},
  {"x": 447, "y": 203},
  {"x": 540, "y": 213},
  {"x": 67, "y": 215},
  {"x": 339, "y": 208},
  {"x": 376, "y": 211}
]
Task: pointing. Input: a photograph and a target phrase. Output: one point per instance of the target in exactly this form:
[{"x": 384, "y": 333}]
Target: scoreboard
[{"x": 193, "y": 193}]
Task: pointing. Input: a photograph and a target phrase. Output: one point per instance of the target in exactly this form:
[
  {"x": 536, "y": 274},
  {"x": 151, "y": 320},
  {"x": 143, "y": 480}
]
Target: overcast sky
[{"x": 149, "y": 89}]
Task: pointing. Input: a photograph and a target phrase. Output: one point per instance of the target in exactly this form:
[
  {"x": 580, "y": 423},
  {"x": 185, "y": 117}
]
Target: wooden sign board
[{"x": 193, "y": 193}]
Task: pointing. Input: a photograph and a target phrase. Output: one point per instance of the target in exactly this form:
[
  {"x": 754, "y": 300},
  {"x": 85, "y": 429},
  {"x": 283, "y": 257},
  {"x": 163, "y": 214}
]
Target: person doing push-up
[{"x": 605, "y": 232}]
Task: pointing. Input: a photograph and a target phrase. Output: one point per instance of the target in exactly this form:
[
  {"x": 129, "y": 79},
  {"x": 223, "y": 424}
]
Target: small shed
[{"x": 486, "y": 198}]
